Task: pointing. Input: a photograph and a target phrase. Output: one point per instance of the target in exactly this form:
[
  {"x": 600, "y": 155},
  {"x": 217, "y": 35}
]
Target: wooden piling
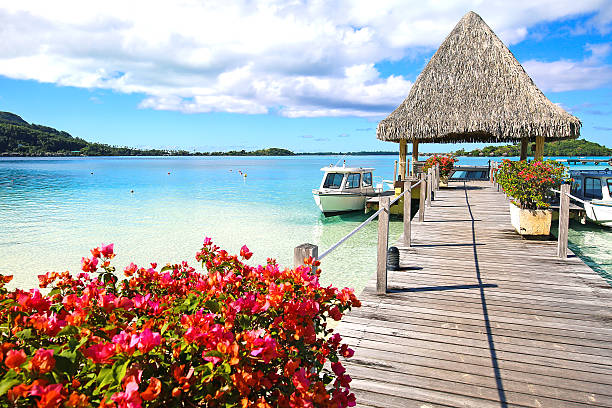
[
  {"x": 395, "y": 172},
  {"x": 437, "y": 183},
  {"x": 407, "y": 212},
  {"x": 304, "y": 251},
  {"x": 422, "y": 188},
  {"x": 563, "y": 221},
  {"x": 429, "y": 187},
  {"x": 383, "y": 241}
]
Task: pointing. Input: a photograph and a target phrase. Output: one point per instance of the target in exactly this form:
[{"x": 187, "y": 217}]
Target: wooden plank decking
[{"x": 481, "y": 318}]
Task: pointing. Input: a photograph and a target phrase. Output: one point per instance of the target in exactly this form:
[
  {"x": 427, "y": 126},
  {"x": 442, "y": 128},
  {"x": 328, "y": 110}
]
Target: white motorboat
[
  {"x": 594, "y": 188},
  {"x": 344, "y": 189}
]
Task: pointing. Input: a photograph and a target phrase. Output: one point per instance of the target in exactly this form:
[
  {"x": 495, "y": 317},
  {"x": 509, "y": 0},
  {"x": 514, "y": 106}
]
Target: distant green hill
[{"x": 575, "y": 147}]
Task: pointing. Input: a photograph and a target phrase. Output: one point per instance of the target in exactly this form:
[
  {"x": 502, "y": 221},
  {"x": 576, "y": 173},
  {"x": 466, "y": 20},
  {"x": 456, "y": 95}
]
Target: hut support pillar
[
  {"x": 524, "y": 144},
  {"x": 402, "y": 159},
  {"x": 415, "y": 154},
  {"x": 539, "y": 150}
]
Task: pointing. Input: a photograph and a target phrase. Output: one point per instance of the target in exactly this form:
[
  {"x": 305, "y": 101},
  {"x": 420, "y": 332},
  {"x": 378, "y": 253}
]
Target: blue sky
[{"x": 307, "y": 76}]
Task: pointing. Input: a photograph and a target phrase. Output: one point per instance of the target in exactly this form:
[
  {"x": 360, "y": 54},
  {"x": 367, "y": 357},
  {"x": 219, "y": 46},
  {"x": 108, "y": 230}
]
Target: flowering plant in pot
[
  {"x": 446, "y": 163},
  {"x": 529, "y": 185},
  {"x": 232, "y": 335}
]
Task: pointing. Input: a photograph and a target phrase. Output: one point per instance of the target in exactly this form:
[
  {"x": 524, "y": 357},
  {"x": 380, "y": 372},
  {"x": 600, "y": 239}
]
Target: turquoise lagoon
[{"x": 53, "y": 210}]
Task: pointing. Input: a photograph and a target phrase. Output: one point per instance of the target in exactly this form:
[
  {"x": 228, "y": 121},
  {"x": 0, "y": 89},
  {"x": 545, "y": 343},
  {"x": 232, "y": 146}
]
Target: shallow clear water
[{"x": 53, "y": 210}]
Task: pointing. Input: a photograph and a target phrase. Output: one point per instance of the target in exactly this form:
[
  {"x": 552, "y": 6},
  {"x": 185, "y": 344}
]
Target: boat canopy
[{"x": 338, "y": 169}]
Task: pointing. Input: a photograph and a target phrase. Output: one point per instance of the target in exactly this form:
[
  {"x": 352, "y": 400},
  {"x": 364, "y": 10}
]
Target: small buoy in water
[
  {"x": 168, "y": 172},
  {"x": 131, "y": 191},
  {"x": 91, "y": 172}
]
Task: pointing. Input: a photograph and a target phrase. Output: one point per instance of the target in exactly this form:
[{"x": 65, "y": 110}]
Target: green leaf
[
  {"x": 7, "y": 384},
  {"x": 167, "y": 268},
  {"x": 25, "y": 334},
  {"x": 213, "y": 306},
  {"x": 69, "y": 331}
]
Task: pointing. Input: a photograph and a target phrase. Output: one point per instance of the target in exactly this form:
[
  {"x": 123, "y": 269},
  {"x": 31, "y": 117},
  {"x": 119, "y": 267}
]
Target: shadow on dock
[{"x": 498, "y": 379}]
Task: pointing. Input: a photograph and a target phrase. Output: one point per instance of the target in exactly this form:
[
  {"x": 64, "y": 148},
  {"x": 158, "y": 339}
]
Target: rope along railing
[{"x": 305, "y": 251}]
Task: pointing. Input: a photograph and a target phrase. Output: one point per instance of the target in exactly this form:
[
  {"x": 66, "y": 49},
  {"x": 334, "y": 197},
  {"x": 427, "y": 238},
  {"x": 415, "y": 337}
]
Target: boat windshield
[
  {"x": 592, "y": 188},
  {"x": 333, "y": 180},
  {"x": 353, "y": 180},
  {"x": 367, "y": 179}
]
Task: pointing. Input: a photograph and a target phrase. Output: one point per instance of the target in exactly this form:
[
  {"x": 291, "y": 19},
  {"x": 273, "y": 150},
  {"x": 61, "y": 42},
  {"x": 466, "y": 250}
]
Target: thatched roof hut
[{"x": 474, "y": 90}]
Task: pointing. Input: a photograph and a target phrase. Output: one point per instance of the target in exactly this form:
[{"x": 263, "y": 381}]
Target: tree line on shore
[{"x": 20, "y": 138}]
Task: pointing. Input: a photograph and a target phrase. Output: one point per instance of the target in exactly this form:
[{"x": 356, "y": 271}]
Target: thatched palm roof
[{"x": 474, "y": 90}]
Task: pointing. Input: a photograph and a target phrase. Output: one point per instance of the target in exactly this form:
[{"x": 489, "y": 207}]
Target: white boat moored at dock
[
  {"x": 594, "y": 187},
  {"x": 344, "y": 189}
]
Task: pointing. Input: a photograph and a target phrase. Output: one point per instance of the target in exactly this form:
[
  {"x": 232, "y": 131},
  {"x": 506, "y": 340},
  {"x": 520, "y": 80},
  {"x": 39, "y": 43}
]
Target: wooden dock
[{"x": 479, "y": 317}]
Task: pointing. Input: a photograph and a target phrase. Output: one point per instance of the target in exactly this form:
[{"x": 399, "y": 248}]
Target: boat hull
[
  {"x": 599, "y": 212},
  {"x": 333, "y": 204}
]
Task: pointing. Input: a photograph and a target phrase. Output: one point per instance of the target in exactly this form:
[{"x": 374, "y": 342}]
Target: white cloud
[
  {"x": 297, "y": 58},
  {"x": 569, "y": 75}
]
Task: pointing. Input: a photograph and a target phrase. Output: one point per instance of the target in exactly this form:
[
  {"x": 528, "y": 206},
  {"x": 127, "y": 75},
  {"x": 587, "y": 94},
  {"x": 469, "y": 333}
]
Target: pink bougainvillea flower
[
  {"x": 51, "y": 396},
  {"x": 107, "y": 250},
  {"x": 245, "y": 253},
  {"x": 130, "y": 398},
  {"x": 148, "y": 340},
  {"x": 100, "y": 353}
]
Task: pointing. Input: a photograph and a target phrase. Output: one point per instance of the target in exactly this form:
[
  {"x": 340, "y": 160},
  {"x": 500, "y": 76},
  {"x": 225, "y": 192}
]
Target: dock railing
[
  {"x": 564, "y": 207},
  {"x": 305, "y": 251}
]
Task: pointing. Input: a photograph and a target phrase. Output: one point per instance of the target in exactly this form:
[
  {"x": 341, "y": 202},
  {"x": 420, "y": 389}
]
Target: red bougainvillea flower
[
  {"x": 51, "y": 396},
  {"x": 42, "y": 362},
  {"x": 89, "y": 265},
  {"x": 152, "y": 391},
  {"x": 229, "y": 334},
  {"x": 15, "y": 358}
]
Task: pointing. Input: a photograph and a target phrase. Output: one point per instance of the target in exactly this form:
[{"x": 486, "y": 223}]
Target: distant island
[
  {"x": 575, "y": 147},
  {"x": 20, "y": 138}
]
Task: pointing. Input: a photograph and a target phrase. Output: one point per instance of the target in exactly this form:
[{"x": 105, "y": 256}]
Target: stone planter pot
[
  {"x": 530, "y": 222},
  {"x": 443, "y": 181}
]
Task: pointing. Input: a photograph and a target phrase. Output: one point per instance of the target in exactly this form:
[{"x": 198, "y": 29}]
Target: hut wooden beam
[
  {"x": 415, "y": 151},
  {"x": 402, "y": 159},
  {"x": 539, "y": 148},
  {"x": 524, "y": 144}
]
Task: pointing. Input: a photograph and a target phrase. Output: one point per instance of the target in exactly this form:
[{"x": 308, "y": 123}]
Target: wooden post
[
  {"x": 563, "y": 221},
  {"x": 395, "y": 172},
  {"x": 415, "y": 151},
  {"x": 407, "y": 167},
  {"x": 437, "y": 183},
  {"x": 429, "y": 186},
  {"x": 422, "y": 189},
  {"x": 407, "y": 211},
  {"x": 383, "y": 241},
  {"x": 402, "y": 159},
  {"x": 304, "y": 251},
  {"x": 524, "y": 144},
  {"x": 539, "y": 150}
]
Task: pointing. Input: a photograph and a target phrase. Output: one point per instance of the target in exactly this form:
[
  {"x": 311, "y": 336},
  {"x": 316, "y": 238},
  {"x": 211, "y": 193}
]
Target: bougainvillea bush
[
  {"x": 232, "y": 336},
  {"x": 446, "y": 164},
  {"x": 529, "y": 183}
]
